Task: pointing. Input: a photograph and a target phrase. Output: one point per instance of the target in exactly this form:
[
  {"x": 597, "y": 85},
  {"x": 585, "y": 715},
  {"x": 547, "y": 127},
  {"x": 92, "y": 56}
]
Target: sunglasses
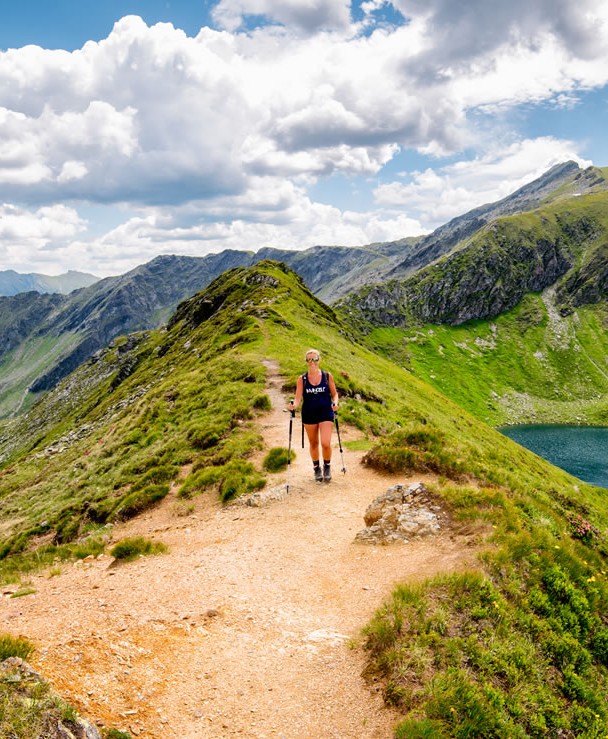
[{"x": 312, "y": 359}]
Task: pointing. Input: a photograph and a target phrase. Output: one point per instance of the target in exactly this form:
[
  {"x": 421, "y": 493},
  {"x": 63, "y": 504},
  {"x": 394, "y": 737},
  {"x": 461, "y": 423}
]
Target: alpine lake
[{"x": 580, "y": 450}]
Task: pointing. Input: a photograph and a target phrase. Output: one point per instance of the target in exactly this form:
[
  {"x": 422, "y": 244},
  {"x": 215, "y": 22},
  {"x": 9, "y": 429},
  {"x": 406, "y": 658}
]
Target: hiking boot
[
  {"x": 318, "y": 474},
  {"x": 326, "y": 472}
]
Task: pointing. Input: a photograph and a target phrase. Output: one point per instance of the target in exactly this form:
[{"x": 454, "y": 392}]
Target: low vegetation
[
  {"x": 277, "y": 458},
  {"x": 28, "y": 706},
  {"x": 14, "y": 646},
  {"x": 511, "y": 324},
  {"x": 516, "y": 649},
  {"x": 524, "y": 366},
  {"x": 129, "y": 549}
]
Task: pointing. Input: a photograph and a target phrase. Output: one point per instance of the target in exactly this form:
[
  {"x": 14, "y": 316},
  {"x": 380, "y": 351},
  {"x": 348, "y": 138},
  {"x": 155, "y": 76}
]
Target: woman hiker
[{"x": 316, "y": 390}]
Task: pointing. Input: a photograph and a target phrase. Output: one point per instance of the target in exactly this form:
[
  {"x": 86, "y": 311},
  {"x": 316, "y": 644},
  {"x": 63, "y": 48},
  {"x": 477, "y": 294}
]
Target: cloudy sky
[{"x": 132, "y": 128}]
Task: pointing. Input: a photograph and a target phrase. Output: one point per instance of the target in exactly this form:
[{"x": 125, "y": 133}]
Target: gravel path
[{"x": 248, "y": 627}]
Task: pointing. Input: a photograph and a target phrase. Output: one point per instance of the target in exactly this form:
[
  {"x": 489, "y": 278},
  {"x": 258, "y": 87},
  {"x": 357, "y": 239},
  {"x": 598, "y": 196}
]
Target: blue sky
[
  {"x": 132, "y": 128},
  {"x": 69, "y": 24}
]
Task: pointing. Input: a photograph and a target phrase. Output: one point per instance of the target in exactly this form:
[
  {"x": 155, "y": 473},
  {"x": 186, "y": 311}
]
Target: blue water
[{"x": 580, "y": 450}]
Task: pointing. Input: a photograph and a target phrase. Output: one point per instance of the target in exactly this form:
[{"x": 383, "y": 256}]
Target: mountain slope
[
  {"x": 179, "y": 378},
  {"x": 520, "y": 643},
  {"x": 565, "y": 180},
  {"x": 529, "y": 365},
  {"x": 78, "y": 325},
  {"x": 528, "y": 293},
  {"x": 490, "y": 273}
]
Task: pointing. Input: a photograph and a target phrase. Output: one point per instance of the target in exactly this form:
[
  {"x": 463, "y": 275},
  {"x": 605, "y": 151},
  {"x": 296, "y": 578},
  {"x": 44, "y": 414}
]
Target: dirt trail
[{"x": 247, "y": 627}]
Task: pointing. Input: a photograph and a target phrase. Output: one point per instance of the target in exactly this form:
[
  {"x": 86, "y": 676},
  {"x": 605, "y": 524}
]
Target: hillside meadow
[
  {"x": 517, "y": 648},
  {"x": 525, "y": 366}
]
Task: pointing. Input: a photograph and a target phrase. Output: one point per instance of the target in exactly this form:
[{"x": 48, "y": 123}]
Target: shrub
[
  {"x": 140, "y": 500},
  {"x": 276, "y": 459},
  {"x": 130, "y": 549},
  {"x": 14, "y": 646},
  {"x": 262, "y": 402},
  {"x": 599, "y": 646},
  {"x": 582, "y": 529}
]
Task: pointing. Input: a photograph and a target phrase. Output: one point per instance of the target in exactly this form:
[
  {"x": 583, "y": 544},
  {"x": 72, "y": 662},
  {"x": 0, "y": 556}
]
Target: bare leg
[
  {"x": 325, "y": 428},
  {"x": 312, "y": 431}
]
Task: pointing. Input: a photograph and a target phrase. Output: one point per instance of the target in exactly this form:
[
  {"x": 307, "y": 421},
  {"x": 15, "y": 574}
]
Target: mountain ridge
[
  {"x": 88, "y": 319},
  {"x": 13, "y": 283},
  {"x": 490, "y": 272}
]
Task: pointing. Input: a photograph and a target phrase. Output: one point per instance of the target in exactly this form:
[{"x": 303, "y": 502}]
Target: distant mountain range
[
  {"x": 12, "y": 283},
  {"x": 477, "y": 265}
]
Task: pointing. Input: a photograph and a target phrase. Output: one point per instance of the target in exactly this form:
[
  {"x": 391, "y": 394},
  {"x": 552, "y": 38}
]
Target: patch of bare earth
[{"x": 250, "y": 626}]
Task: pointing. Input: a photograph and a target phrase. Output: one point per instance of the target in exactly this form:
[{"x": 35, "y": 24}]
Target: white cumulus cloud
[
  {"x": 438, "y": 196},
  {"x": 235, "y": 126}
]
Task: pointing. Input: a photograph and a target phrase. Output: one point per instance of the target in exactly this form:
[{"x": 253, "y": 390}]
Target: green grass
[
  {"x": 513, "y": 369},
  {"x": 15, "y": 567},
  {"x": 129, "y": 549},
  {"x": 135, "y": 440},
  {"x": 524, "y": 364},
  {"x": 277, "y": 458},
  {"x": 516, "y": 649},
  {"x": 27, "y": 590},
  {"x": 15, "y": 646},
  {"x": 28, "y": 706},
  {"x": 19, "y": 368}
]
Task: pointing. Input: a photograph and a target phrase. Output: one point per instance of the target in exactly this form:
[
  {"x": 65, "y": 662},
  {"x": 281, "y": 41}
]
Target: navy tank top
[{"x": 316, "y": 400}]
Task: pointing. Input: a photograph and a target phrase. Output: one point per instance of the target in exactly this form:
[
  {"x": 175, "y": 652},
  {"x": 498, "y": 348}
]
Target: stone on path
[{"x": 403, "y": 513}]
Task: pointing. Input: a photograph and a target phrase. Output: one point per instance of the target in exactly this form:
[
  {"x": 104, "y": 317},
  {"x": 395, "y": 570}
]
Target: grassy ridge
[
  {"x": 519, "y": 648},
  {"x": 530, "y": 622}
]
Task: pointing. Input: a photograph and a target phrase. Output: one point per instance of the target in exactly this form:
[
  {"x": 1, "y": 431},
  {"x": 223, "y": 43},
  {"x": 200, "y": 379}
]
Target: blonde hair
[{"x": 313, "y": 351}]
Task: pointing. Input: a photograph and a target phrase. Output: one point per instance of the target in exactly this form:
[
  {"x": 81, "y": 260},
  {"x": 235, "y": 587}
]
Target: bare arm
[
  {"x": 293, "y": 404},
  {"x": 333, "y": 390}
]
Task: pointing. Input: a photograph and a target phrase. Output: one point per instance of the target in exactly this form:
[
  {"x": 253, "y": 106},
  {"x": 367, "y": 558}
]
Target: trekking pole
[
  {"x": 339, "y": 442},
  {"x": 292, "y": 415}
]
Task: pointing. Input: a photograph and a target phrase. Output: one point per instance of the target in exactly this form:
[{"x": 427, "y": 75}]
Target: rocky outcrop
[
  {"x": 401, "y": 514},
  {"x": 587, "y": 284}
]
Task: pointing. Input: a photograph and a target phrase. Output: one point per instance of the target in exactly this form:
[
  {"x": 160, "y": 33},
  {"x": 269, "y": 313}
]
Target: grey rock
[{"x": 403, "y": 513}]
